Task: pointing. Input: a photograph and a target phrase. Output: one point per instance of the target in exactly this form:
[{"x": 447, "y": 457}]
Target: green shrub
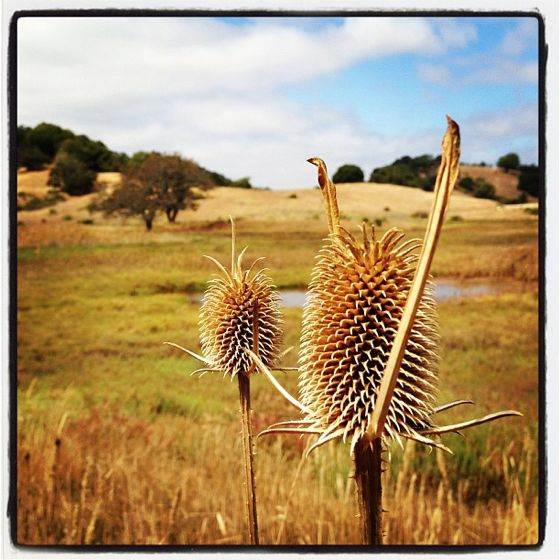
[
  {"x": 509, "y": 161},
  {"x": 397, "y": 174},
  {"x": 71, "y": 175},
  {"x": 38, "y": 146},
  {"x": 32, "y": 202},
  {"x": 418, "y": 214},
  {"x": 484, "y": 190},
  {"x": 478, "y": 187},
  {"x": 419, "y": 171},
  {"x": 243, "y": 183},
  {"x": 94, "y": 155},
  {"x": 467, "y": 184},
  {"x": 48, "y": 138},
  {"x": 348, "y": 173},
  {"x": 31, "y": 157},
  {"x": 529, "y": 180}
]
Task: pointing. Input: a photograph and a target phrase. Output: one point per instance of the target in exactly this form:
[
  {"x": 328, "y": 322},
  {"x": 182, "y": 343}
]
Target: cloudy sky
[{"x": 258, "y": 96}]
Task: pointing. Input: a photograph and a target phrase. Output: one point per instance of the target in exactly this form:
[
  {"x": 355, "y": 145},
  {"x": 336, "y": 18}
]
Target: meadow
[{"x": 118, "y": 444}]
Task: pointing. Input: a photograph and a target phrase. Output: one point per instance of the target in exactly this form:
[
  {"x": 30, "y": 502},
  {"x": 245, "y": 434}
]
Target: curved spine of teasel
[
  {"x": 368, "y": 361},
  {"x": 240, "y": 312}
]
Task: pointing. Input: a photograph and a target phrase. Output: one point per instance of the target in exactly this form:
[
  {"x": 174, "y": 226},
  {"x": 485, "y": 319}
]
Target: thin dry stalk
[
  {"x": 240, "y": 314},
  {"x": 445, "y": 181},
  {"x": 368, "y": 465},
  {"x": 247, "y": 438}
]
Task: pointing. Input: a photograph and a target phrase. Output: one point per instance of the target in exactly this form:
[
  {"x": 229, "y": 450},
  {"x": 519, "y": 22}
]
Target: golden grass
[
  {"x": 481, "y": 249},
  {"x": 108, "y": 478},
  {"x": 357, "y": 200},
  {"x": 117, "y": 445},
  {"x": 33, "y": 182}
]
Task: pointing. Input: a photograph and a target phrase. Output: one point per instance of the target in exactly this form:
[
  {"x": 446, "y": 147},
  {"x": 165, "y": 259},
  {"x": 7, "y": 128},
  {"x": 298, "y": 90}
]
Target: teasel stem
[
  {"x": 247, "y": 438},
  {"x": 368, "y": 469}
]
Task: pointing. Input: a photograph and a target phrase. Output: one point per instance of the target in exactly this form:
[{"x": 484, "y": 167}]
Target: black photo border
[{"x": 13, "y": 287}]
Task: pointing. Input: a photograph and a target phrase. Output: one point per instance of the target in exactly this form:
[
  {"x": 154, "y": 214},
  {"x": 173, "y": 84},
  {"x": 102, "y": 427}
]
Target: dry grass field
[
  {"x": 373, "y": 201},
  {"x": 117, "y": 444}
]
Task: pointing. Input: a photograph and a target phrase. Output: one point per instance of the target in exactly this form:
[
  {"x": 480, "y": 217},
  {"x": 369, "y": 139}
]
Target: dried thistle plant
[
  {"x": 368, "y": 360},
  {"x": 240, "y": 312}
]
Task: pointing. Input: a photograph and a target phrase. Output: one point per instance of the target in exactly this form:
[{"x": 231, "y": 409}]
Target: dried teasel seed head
[
  {"x": 368, "y": 355},
  {"x": 355, "y": 302},
  {"x": 240, "y": 311}
]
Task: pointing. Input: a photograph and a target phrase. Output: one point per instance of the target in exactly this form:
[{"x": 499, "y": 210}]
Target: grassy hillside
[{"x": 381, "y": 203}]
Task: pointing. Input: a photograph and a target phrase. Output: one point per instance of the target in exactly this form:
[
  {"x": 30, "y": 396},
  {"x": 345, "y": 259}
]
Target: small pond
[{"x": 444, "y": 290}]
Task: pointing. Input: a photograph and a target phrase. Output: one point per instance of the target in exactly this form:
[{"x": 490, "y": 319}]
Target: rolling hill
[
  {"x": 373, "y": 201},
  {"x": 505, "y": 182}
]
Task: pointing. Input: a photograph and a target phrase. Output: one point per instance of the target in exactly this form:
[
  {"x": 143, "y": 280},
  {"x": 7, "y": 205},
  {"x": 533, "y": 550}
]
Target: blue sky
[{"x": 258, "y": 96}]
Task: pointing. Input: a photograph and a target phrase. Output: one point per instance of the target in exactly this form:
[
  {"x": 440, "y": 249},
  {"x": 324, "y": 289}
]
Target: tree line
[
  {"x": 75, "y": 159},
  {"x": 152, "y": 182},
  {"x": 420, "y": 172}
]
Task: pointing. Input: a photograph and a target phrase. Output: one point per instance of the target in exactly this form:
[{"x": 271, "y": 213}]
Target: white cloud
[
  {"x": 103, "y": 59},
  {"x": 480, "y": 70},
  {"x": 213, "y": 91},
  {"x": 491, "y": 134},
  {"x": 517, "y": 121},
  {"x": 500, "y": 65},
  {"x": 457, "y": 32},
  {"x": 522, "y": 37},
  {"x": 503, "y": 72},
  {"x": 435, "y": 73}
]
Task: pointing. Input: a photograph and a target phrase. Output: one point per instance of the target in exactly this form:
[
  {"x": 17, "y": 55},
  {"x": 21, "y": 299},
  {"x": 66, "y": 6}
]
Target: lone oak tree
[
  {"x": 157, "y": 182},
  {"x": 172, "y": 178}
]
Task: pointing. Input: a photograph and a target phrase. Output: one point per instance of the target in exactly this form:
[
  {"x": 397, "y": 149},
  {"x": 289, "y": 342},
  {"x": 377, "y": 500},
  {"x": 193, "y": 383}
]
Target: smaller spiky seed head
[{"x": 240, "y": 311}]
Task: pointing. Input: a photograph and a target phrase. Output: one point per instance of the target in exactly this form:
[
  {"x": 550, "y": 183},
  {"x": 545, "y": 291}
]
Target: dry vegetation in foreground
[
  {"x": 112, "y": 479},
  {"x": 118, "y": 445}
]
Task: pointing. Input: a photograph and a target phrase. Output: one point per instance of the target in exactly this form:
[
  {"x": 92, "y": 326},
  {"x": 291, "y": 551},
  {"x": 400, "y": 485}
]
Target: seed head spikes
[
  {"x": 240, "y": 313},
  {"x": 356, "y": 299},
  {"x": 368, "y": 360}
]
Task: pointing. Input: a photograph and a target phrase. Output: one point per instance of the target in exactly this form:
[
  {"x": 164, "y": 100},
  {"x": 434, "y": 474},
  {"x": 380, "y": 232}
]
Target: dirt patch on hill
[{"x": 505, "y": 182}]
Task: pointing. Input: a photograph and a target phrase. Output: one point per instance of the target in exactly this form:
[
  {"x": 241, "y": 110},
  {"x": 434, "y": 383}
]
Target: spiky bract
[
  {"x": 355, "y": 301},
  {"x": 227, "y": 321}
]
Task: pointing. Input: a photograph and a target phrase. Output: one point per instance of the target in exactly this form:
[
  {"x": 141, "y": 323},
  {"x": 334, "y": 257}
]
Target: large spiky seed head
[
  {"x": 240, "y": 311},
  {"x": 368, "y": 356},
  {"x": 354, "y": 305}
]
